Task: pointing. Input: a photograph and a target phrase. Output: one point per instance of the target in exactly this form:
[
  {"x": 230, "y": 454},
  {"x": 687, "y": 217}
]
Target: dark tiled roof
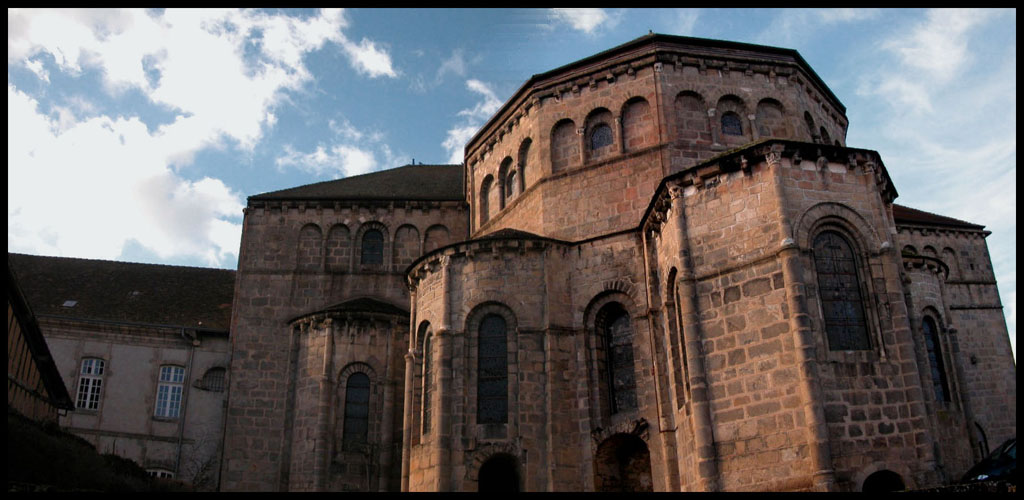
[
  {"x": 127, "y": 292},
  {"x": 367, "y": 304},
  {"x": 409, "y": 182},
  {"x": 508, "y": 233},
  {"x": 907, "y": 215}
]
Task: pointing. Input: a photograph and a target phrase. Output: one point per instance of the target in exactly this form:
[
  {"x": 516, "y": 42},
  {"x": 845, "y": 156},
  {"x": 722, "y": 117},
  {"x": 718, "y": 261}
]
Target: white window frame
[
  {"x": 169, "y": 391},
  {"x": 160, "y": 473},
  {"x": 90, "y": 384}
]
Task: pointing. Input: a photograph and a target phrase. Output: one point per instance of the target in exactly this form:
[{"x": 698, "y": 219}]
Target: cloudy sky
[{"x": 137, "y": 135}]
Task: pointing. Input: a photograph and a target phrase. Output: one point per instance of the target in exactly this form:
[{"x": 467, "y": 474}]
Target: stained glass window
[
  {"x": 373, "y": 248},
  {"x": 601, "y": 136},
  {"x": 618, "y": 335},
  {"x": 357, "y": 411},
  {"x": 931, "y": 340},
  {"x": 492, "y": 371},
  {"x": 839, "y": 288},
  {"x": 731, "y": 124}
]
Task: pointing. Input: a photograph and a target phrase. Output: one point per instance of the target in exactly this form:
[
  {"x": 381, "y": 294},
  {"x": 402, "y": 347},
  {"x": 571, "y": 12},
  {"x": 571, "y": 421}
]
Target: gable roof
[
  {"x": 913, "y": 216},
  {"x": 410, "y": 182},
  {"x": 154, "y": 294}
]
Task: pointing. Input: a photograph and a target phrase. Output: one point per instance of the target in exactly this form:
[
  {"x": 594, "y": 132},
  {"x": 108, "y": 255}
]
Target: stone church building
[{"x": 660, "y": 268}]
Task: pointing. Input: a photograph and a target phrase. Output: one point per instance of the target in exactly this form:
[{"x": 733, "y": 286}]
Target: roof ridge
[{"x": 119, "y": 262}]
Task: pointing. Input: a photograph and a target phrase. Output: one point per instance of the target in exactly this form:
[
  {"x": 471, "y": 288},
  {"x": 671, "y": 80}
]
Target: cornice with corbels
[
  {"x": 573, "y": 83},
  {"x": 337, "y": 206},
  {"x": 925, "y": 263},
  {"x": 480, "y": 249},
  {"x": 713, "y": 172}
]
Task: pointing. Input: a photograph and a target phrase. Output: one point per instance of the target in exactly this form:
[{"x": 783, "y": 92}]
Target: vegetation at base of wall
[{"x": 42, "y": 457}]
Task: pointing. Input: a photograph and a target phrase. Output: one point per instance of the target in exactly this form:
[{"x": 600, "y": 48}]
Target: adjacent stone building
[
  {"x": 145, "y": 351},
  {"x": 659, "y": 268}
]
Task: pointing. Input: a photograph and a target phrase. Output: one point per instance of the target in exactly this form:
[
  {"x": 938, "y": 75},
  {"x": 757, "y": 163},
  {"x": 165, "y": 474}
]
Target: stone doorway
[
  {"x": 500, "y": 473},
  {"x": 623, "y": 464},
  {"x": 882, "y": 481}
]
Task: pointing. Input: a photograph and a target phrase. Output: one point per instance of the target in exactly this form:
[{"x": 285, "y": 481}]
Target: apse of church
[{"x": 660, "y": 268}]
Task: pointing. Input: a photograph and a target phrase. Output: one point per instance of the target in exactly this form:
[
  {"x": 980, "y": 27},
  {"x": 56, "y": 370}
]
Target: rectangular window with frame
[
  {"x": 168, "y": 392},
  {"x": 90, "y": 384}
]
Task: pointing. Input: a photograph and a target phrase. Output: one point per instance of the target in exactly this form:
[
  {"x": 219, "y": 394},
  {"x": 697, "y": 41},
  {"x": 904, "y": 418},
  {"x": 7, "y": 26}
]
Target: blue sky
[{"x": 137, "y": 135}]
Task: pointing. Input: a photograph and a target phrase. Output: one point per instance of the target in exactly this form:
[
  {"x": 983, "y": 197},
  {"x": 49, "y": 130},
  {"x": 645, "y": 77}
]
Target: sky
[{"x": 137, "y": 135}]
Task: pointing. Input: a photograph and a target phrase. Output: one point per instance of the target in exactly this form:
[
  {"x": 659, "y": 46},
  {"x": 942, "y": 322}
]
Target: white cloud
[
  {"x": 455, "y": 64},
  {"x": 459, "y": 135},
  {"x": 355, "y": 152},
  {"x": 938, "y": 46},
  {"x": 585, "y": 20},
  {"x": 791, "y": 26},
  {"x": 686, "y": 21},
  {"x": 83, "y": 184},
  {"x": 455, "y": 142},
  {"x": 369, "y": 59},
  {"x": 86, "y": 188},
  {"x": 336, "y": 161}
]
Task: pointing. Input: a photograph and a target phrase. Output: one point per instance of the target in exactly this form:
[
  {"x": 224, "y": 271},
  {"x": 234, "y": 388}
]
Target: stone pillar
[
  {"x": 407, "y": 430},
  {"x": 800, "y": 324},
  {"x": 443, "y": 420},
  {"x": 714, "y": 127},
  {"x": 666, "y": 422},
  {"x": 323, "y": 440},
  {"x": 387, "y": 435},
  {"x": 407, "y": 415},
  {"x": 752, "y": 122},
  {"x": 704, "y": 439}
]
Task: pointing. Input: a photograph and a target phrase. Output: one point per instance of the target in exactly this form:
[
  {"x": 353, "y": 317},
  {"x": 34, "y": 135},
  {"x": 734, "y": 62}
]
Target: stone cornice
[
  {"x": 924, "y": 262},
  {"x": 338, "y": 205},
  {"x": 651, "y": 51},
  {"x": 484, "y": 247},
  {"x": 709, "y": 173}
]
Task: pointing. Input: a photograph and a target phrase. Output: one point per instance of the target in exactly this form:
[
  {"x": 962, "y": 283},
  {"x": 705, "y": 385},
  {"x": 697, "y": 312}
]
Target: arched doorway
[
  {"x": 623, "y": 464},
  {"x": 883, "y": 480},
  {"x": 500, "y": 473}
]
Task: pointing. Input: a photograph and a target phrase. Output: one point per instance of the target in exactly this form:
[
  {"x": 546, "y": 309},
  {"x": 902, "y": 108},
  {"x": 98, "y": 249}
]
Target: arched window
[
  {"x": 510, "y": 185},
  {"x": 825, "y": 138},
  {"x": 357, "y": 412},
  {"x": 492, "y": 371},
  {"x": 485, "y": 193},
  {"x": 373, "y": 248},
  {"x": 839, "y": 289},
  {"x": 618, "y": 340},
  {"x": 810, "y": 126},
  {"x": 601, "y": 136},
  {"x": 428, "y": 383},
  {"x": 214, "y": 379},
  {"x": 731, "y": 124},
  {"x": 938, "y": 370},
  {"x": 90, "y": 384}
]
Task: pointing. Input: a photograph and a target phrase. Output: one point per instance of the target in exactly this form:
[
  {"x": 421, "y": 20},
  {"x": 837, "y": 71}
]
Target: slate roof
[
  {"x": 127, "y": 292},
  {"x": 907, "y": 215},
  {"x": 410, "y": 182}
]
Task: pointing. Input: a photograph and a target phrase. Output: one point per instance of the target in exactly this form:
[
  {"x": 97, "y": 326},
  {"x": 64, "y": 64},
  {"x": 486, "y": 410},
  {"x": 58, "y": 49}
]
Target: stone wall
[{"x": 274, "y": 287}]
